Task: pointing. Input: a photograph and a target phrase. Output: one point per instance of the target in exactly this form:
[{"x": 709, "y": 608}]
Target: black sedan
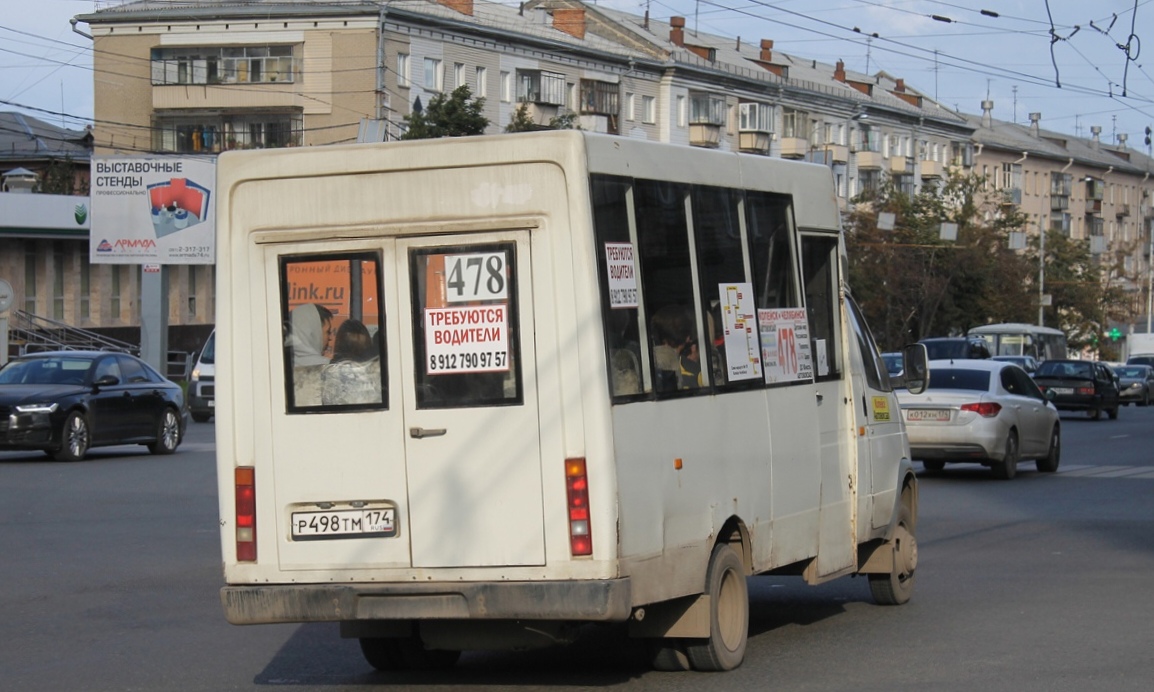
[
  {"x": 1136, "y": 383},
  {"x": 1080, "y": 385},
  {"x": 65, "y": 402}
]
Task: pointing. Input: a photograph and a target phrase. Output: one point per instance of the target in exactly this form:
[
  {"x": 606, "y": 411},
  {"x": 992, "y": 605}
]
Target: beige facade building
[{"x": 201, "y": 78}]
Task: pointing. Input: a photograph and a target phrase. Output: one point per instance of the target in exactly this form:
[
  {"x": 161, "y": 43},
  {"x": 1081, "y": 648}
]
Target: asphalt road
[{"x": 111, "y": 573}]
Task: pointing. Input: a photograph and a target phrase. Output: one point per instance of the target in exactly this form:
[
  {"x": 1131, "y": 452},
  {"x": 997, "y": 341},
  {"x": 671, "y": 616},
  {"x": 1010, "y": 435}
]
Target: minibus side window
[
  {"x": 332, "y": 314},
  {"x": 876, "y": 374},
  {"x": 668, "y": 283},
  {"x": 819, "y": 273},
  {"x": 617, "y": 264}
]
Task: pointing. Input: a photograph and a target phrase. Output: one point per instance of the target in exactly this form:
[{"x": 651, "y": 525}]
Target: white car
[{"x": 988, "y": 412}]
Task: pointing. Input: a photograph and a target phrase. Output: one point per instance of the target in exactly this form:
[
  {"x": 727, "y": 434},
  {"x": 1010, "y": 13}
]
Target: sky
[{"x": 1077, "y": 63}]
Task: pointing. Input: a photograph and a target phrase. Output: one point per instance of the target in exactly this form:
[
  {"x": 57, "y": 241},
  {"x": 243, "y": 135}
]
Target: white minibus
[{"x": 477, "y": 392}]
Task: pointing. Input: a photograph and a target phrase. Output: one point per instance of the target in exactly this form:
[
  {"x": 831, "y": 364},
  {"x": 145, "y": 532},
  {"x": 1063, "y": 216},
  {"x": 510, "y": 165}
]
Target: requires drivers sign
[{"x": 467, "y": 339}]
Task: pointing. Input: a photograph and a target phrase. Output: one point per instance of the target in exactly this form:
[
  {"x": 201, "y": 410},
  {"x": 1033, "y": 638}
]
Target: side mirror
[
  {"x": 106, "y": 381},
  {"x": 917, "y": 369}
]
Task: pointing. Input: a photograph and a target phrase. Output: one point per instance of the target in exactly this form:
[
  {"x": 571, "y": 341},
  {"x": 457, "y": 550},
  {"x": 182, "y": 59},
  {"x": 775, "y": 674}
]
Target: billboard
[{"x": 153, "y": 210}]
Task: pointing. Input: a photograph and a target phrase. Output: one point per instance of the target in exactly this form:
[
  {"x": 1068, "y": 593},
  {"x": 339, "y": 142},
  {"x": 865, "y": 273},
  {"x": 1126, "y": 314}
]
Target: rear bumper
[{"x": 586, "y": 600}]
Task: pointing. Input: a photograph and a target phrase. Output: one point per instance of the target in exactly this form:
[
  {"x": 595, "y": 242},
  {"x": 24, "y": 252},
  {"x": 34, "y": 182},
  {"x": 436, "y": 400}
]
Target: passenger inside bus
[
  {"x": 310, "y": 332},
  {"x": 354, "y": 375},
  {"x": 675, "y": 355}
]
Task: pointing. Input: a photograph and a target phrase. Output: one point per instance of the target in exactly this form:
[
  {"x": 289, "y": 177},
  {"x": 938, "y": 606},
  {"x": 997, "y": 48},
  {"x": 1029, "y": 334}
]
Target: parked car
[
  {"x": 1027, "y": 363},
  {"x": 1080, "y": 385},
  {"x": 1145, "y": 359},
  {"x": 202, "y": 384},
  {"x": 956, "y": 347},
  {"x": 1136, "y": 384},
  {"x": 982, "y": 411},
  {"x": 66, "y": 402}
]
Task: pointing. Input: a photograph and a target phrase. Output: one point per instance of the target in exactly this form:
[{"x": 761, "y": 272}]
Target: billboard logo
[{"x": 104, "y": 246}]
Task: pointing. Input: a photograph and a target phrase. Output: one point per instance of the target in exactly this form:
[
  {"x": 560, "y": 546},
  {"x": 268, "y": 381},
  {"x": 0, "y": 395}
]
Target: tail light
[
  {"x": 577, "y": 488},
  {"x": 245, "y": 514},
  {"x": 986, "y": 409}
]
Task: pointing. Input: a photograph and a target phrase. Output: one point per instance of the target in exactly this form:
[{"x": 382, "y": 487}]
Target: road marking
[{"x": 1087, "y": 471}]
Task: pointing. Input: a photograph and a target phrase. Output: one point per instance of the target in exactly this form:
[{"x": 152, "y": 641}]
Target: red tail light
[
  {"x": 577, "y": 488},
  {"x": 986, "y": 409},
  {"x": 245, "y": 514},
  {"x": 1087, "y": 391}
]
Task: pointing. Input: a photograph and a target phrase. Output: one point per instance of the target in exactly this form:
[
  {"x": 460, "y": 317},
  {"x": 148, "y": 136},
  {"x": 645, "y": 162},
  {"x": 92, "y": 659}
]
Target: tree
[
  {"x": 521, "y": 122},
  {"x": 457, "y": 115},
  {"x": 911, "y": 284}
]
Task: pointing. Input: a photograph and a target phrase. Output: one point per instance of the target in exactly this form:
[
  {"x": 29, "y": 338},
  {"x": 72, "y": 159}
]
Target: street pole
[
  {"x": 1042, "y": 275},
  {"x": 1149, "y": 276}
]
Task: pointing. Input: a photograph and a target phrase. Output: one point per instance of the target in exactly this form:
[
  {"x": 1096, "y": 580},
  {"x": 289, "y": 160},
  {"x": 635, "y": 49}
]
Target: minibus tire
[
  {"x": 382, "y": 653},
  {"x": 728, "y": 614},
  {"x": 896, "y": 587}
]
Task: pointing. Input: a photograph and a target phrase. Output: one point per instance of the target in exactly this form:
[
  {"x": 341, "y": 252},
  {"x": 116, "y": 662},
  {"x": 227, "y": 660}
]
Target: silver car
[
  {"x": 987, "y": 412},
  {"x": 1135, "y": 384}
]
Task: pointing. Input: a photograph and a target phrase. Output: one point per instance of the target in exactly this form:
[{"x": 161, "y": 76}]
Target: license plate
[
  {"x": 1063, "y": 390},
  {"x": 343, "y": 523},
  {"x": 930, "y": 414}
]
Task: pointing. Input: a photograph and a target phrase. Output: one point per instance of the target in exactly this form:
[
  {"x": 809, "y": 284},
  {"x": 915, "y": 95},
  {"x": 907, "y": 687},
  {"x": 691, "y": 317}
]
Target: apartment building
[
  {"x": 195, "y": 78},
  {"x": 1084, "y": 189}
]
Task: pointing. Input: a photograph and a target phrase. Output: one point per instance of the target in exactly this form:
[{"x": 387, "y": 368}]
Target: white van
[
  {"x": 478, "y": 391},
  {"x": 202, "y": 383}
]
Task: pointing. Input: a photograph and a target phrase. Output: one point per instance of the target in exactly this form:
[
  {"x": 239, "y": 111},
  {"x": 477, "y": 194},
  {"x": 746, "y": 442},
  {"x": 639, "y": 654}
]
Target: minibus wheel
[
  {"x": 896, "y": 587},
  {"x": 728, "y": 613}
]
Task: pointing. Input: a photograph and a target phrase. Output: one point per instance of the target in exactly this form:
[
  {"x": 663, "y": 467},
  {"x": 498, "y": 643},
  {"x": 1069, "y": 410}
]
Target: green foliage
[
  {"x": 911, "y": 284},
  {"x": 456, "y": 115},
  {"x": 60, "y": 178},
  {"x": 521, "y": 122}
]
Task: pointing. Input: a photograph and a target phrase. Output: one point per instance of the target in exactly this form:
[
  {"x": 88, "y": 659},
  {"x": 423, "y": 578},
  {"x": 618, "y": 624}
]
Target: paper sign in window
[
  {"x": 622, "y": 271},
  {"x": 739, "y": 331},
  {"x": 467, "y": 339},
  {"x": 785, "y": 351}
]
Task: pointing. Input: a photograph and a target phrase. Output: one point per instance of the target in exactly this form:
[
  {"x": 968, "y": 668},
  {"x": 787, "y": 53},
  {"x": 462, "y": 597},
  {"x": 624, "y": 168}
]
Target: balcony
[
  {"x": 1059, "y": 203},
  {"x": 704, "y": 135},
  {"x": 1012, "y": 196},
  {"x": 870, "y": 160},
  {"x": 753, "y": 142},
  {"x": 901, "y": 165},
  {"x": 794, "y": 147},
  {"x": 932, "y": 169},
  {"x": 1093, "y": 206},
  {"x": 1122, "y": 210},
  {"x": 838, "y": 153}
]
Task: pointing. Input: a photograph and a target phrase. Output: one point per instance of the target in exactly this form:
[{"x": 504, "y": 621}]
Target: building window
[
  {"x": 30, "y": 278},
  {"x": 648, "y": 109},
  {"x": 706, "y": 109},
  {"x": 536, "y": 86},
  {"x": 215, "y": 133},
  {"x": 192, "y": 290},
  {"x": 57, "y": 281},
  {"x": 482, "y": 82},
  {"x": 223, "y": 65},
  {"x": 85, "y": 289},
  {"x": 630, "y": 105},
  {"x": 871, "y": 180},
  {"x": 870, "y": 139},
  {"x": 794, "y": 123},
  {"x": 506, "y": 87},
  {"x": 458, "y": 74},
  {"x": 434, "y": 77},
  {"x": 114, "y": 304},
  {"x": 599, "y": 98},
  {"x": 755, "y": 117},
  {"x": 403, "y": 77}
]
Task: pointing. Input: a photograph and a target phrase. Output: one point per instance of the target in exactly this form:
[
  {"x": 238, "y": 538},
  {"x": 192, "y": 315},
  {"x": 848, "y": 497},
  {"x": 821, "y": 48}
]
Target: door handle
[{"x": 419, "y": 432}]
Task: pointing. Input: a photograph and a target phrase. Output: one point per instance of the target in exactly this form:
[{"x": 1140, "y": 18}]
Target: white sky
[{"x": 47, "y": 66}]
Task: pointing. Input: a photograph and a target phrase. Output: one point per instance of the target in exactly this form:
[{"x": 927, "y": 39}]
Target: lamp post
[
  {"x": 1149, "y": 275},
  {"x": 1041, "y": 275}
]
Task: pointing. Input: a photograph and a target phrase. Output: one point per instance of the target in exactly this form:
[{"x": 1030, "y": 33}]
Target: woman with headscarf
[{"x": 312, "y": 330}]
